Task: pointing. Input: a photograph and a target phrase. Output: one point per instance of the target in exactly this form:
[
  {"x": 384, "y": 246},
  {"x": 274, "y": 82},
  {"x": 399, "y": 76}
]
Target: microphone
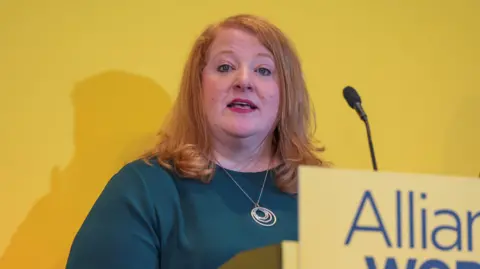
[{"x": 355, "y": 102}]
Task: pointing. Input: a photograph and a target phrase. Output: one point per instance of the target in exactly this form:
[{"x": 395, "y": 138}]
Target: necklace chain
[
  {"x": 246, "y": 194},
  {"x": 267, "y": 217}
]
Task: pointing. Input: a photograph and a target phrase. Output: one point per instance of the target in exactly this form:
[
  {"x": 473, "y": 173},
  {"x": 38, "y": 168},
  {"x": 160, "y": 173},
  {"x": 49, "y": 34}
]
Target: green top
[{"x": 148, "y": 218}]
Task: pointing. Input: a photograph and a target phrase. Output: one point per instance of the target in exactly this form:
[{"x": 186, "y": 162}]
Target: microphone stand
[
  {"x": 370, "y": 143},
  {"x": 355, "y": 102}
]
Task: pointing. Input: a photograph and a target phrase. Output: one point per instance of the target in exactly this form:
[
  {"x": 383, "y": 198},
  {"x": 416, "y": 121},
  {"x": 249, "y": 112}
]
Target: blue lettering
[
  {"x": 399, "y": 219},
  {"x": 355, "y": 227},
  {"x": 470, "y": 221},
  {"x": 434, "y": 264},
  {"x": 411, "y": 219},
  {"x": 390, "y": 263},
  {"x": 428, "y": 235},
  {"x": 424, "y": 223},
  {"x": 457, "y": 229},
  {"x": 468, "y": 265}
]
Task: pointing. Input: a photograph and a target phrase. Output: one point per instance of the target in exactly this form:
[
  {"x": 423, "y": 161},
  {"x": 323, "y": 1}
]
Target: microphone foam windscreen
[{"x": 351, "y": 95}]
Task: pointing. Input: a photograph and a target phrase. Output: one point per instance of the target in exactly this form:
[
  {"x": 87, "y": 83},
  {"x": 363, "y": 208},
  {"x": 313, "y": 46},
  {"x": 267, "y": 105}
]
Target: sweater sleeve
[{"x": 121, "y": 229}]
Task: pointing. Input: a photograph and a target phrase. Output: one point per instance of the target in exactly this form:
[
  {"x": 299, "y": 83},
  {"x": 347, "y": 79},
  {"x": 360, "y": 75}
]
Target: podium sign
[{"x": 383, "y": 220}]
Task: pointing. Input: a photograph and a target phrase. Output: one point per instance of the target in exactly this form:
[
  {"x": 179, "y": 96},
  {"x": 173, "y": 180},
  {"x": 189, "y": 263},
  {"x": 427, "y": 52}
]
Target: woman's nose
[{"x": 243, "y": 80}]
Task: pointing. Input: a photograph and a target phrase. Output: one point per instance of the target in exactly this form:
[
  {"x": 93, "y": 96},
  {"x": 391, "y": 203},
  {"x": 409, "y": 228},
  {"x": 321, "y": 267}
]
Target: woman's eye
[
  {"x": 264, "y": 71},
  {"x": 224, "y": 68}
]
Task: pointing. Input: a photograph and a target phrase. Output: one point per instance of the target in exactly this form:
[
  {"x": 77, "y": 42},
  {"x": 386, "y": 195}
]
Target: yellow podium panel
[{"x": 371, "y": 220}]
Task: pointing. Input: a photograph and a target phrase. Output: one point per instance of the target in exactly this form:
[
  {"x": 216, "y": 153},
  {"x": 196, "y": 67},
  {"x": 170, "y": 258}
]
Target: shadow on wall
[{"x": 116, "y": 118}]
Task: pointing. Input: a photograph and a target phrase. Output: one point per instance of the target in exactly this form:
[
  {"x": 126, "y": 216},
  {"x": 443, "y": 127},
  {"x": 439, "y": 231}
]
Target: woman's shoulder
[
  {"x": 138, "y": 186},
  {"x": 132, "y": 215},
  {"x": 146, "y": 176},
  {"x": 145, "y": 166}
]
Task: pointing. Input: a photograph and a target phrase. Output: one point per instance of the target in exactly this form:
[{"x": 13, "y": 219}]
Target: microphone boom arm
[{"x": 370, "y": 144}]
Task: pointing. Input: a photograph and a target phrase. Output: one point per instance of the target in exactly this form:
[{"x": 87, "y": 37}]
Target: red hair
[{"x": 184, "y": 144}]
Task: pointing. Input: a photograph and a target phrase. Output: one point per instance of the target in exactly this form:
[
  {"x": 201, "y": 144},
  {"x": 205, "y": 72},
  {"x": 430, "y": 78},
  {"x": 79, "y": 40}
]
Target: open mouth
[{"x": 242, "y": 104}]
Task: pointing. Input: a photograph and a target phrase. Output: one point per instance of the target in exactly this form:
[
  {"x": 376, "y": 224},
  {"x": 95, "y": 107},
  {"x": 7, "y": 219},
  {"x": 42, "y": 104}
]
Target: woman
[{"x": 223, "y": 177}]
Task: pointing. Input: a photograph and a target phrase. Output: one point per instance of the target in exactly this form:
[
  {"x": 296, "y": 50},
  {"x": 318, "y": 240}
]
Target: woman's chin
[{"x": 240, "y": 132}]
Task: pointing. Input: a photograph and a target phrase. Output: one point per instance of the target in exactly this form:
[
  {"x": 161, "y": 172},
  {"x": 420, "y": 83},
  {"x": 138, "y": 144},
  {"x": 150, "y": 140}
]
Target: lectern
[{"x": 378, "y": 220}]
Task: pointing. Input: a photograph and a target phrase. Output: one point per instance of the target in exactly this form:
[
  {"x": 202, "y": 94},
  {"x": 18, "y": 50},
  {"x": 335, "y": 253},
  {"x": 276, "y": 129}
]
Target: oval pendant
[{"x": 263, "y": 216}]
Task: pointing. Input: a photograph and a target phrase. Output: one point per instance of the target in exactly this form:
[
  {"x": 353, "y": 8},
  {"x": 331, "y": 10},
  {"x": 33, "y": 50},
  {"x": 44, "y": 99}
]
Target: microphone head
[{"x": 351, "y": 96}]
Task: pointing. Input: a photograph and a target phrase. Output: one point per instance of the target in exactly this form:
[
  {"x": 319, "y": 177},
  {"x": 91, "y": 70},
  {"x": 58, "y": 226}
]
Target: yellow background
[
  {"x": 324, "y": 228},
  {"x": 84, "y": 86}
]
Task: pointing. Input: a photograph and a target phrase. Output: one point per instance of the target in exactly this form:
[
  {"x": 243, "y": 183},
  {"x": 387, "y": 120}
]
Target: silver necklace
[{"x": 260, "y": 214}]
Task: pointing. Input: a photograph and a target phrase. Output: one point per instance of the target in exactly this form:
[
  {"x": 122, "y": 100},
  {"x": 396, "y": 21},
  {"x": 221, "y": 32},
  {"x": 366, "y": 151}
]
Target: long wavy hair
[{"x": 184, "y": 143}]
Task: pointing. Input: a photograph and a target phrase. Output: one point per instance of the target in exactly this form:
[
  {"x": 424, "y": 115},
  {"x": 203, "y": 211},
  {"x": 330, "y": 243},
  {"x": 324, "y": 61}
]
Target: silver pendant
[{"x": 263, "y": 216}]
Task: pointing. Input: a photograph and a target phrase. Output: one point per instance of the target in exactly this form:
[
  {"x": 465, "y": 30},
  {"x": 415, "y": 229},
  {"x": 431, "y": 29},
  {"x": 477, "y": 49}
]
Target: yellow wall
[{"x": 84, "y": 86}]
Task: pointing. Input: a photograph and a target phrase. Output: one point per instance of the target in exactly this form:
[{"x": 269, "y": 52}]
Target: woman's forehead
[{"x": 235, "y": 41}]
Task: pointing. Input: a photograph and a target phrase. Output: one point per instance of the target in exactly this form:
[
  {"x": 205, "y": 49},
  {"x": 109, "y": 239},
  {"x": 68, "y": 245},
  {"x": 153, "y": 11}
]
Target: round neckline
[{"x": 230, "y": 171}]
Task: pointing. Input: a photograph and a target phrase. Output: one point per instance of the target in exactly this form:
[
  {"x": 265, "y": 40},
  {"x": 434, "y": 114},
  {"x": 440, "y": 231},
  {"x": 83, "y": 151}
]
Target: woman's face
[{"x": 240, "y": 87}]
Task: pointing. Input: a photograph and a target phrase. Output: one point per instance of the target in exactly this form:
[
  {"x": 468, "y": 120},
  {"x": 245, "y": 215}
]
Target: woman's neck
[{"x": 243, "y": 155}]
